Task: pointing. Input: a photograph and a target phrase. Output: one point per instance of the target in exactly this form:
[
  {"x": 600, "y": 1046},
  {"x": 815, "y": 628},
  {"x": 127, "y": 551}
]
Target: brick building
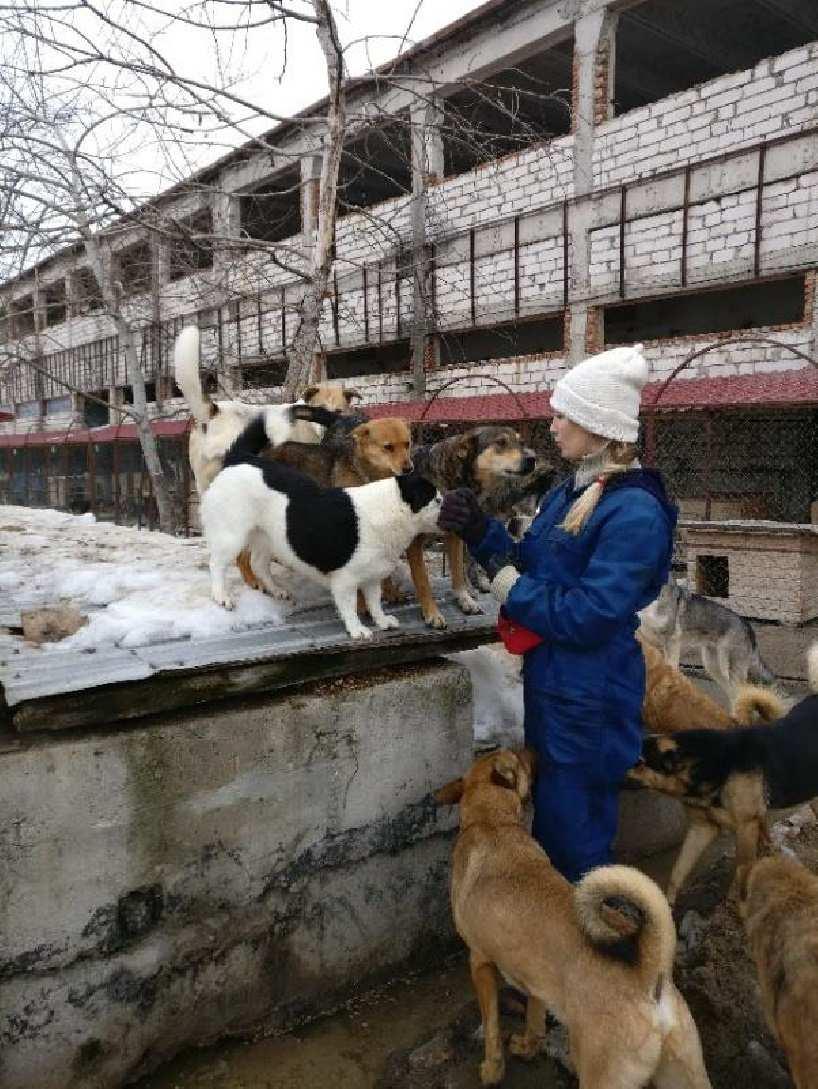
[{"x": 542, "y": 180}]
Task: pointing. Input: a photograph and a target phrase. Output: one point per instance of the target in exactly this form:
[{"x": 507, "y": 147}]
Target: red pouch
[{"x": 516, "y": 638}]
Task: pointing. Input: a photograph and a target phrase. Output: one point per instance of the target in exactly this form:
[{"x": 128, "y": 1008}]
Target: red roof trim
[
  {"x": 797, "y": 387},
  {"x": 164, "y": 429},
  {"x": 777, "y": 388}
]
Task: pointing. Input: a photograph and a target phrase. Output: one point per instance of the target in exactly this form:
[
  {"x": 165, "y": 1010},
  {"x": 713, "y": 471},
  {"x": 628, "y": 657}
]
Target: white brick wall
[
  {"x": 733, "y": 111},
  {"x": 665, "y": 355}
]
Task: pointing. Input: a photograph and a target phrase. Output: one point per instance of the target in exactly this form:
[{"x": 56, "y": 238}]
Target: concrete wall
[{"x": 163, "y": 885}]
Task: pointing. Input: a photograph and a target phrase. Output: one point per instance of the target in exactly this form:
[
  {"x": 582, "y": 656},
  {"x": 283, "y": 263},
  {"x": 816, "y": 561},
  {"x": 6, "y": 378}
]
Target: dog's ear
[
  {"x": 351, "y": 394},
  {"x": 309, "y": 393},
  {"x": 360, "y": 434},
  {"x": 509, "y": 771},
  {"x": 450, "y": 794}
]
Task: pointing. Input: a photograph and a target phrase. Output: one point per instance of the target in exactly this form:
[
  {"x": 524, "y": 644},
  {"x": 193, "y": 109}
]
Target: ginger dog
[
  {"x": 598, "y": 955},
  {"x": 780, "y": 911}
]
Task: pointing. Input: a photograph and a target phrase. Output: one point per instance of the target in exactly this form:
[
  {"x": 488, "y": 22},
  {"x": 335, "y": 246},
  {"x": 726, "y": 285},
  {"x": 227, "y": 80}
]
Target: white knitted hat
[{"x": 602, "y": 394}]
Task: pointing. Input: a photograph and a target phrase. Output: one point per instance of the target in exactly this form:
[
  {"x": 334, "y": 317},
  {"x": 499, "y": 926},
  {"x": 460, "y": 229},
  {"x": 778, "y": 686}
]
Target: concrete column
[
  {"x": 811, "y": 310},
  {"x": 427, "y": 168},
  {"x": 226, "y": 226},
  {"x": 310, "y": 186},
  {"x": 594, "y": 41}
]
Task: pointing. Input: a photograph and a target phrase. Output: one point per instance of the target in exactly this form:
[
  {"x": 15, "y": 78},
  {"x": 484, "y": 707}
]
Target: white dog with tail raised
[
  {"x": 343, "y": 538},
  {"x": 219, "y": 423}
]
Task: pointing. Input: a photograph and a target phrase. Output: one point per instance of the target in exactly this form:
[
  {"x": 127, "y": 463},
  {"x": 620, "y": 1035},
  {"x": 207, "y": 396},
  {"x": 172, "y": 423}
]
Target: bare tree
[{"x": 85, "y": 90}]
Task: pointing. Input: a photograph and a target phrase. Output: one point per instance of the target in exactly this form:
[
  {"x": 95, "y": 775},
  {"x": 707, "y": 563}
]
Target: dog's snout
[{"x": 528, "y": 461}]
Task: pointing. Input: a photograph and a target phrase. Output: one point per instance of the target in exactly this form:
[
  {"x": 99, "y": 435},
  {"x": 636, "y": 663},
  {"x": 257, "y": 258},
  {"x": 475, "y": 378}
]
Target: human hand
[{"x": 460, "y": 513}]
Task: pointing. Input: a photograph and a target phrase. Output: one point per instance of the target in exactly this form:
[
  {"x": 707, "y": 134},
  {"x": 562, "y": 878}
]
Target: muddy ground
[{"x": 419, "y": 1032}]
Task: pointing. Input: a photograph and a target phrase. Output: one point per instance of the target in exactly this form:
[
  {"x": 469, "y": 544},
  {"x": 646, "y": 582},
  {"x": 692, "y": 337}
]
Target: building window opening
[
  {"x": 663, "y": 47},
  {"x": 192, "y": 249},
  {"x": 150, "y": 393},
  {"x": 266, "y": 375},
  {"x": 376, "y": 166},
  {"x": 136, "y": 268},
  {"x": 95, "y": 414},
  {"x": 503, "y": 341},
  {"x": 22, "y": 316},
  {"x": 55, "y": 303},
  {"x": 747, "y": 306},
  {"x": 509, "y": 110},
  {"x": 87, "y": 297},
  {"x": 394, "y": 358},
  {"x": 272, "y": 212}
]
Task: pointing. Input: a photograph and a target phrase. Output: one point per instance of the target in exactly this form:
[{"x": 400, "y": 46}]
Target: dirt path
[{"x": 419, "y": 1032}]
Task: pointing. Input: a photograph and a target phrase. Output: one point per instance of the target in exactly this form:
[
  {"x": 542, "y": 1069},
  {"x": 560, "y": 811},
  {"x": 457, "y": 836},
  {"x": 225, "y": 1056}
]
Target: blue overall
[{"x": 585, "y": 684}]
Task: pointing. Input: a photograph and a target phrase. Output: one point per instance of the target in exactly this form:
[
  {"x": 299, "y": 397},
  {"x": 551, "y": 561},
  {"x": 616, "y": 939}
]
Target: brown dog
[
  {"x": 780, "y": 910},
  {"x": 598, "y": 955},
  {"x": 674, "y": 702},
  {"x": 372, "y": 451},
  {"x": 477, "y": 459}
]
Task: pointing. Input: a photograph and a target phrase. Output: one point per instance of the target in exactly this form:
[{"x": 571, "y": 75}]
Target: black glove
[{"x": 460, "y": 513}]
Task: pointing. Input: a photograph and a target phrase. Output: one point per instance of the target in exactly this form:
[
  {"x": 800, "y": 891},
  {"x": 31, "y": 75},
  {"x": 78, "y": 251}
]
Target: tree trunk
[
  {"x": 112, "y": 298},
  {"x": 147, "y": 439},
  {"x": 303, "y": 346}
]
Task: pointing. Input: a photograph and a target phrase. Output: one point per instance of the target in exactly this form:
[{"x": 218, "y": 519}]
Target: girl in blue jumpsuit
[{"x": 598, "y": 551}]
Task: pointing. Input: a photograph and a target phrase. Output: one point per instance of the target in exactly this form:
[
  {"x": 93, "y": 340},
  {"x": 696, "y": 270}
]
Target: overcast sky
[{"x": 374, "y": 30}]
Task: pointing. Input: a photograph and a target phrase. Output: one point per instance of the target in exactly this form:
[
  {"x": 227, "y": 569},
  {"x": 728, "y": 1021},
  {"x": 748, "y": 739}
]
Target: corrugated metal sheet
[{"x": 30, "y": 674}]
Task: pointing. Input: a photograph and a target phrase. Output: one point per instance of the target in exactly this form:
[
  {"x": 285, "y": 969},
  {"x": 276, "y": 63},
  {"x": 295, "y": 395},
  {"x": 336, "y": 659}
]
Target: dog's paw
[
  {"x": 361, "y": 631},
  {"x": 467, "y": 604},
  {"x": 389, "y": 622},
  {"x": 278, "y": 593},
  {"x": 524, "y": 1046},
  {"x": 492, "y": 1071},
  {"x": 481, "y": 581},
  {"x": 435, "y": 619},
  {"x": 225, "y": 600}
]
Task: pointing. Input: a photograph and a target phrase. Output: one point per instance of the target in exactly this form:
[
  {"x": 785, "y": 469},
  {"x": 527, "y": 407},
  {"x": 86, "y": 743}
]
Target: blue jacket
[{"x": 585, "y": 684}]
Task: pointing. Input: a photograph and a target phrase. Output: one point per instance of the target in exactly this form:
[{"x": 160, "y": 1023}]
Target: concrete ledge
[{"x": 188, "y": 878}]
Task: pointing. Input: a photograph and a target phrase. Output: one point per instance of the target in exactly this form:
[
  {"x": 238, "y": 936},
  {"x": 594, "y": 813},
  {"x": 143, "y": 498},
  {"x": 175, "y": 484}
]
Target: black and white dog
[{"x": 344, "y": 538}]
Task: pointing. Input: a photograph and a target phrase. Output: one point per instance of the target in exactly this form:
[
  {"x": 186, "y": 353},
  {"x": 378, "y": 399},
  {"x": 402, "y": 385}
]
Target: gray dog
[{"x": 726, "y": 640}]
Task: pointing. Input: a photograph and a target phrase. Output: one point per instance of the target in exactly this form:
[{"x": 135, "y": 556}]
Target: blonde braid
[{"x": 622, "y": 455}]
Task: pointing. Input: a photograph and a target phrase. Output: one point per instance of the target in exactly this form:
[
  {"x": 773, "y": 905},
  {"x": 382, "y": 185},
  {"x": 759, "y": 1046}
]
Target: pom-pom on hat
[{"x": 602, "y": 393}]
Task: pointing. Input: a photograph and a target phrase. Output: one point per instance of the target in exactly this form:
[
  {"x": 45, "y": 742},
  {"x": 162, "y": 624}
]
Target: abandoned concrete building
[{"x": 533, "y": 183}]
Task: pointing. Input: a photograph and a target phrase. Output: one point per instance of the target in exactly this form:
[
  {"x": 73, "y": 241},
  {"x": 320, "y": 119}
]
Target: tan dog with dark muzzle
[{"x": 598, "y": 955}]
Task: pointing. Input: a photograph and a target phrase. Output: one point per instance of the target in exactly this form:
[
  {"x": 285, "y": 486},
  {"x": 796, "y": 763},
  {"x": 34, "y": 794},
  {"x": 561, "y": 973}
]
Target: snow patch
[{"x": 498, "y": 695}]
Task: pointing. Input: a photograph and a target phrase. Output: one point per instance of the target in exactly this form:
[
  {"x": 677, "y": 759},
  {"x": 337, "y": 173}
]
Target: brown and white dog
[
  {"x": 219, "y": 423},
  {"x": 779, "y": 905},
  {"x": 598, "y": 955}
]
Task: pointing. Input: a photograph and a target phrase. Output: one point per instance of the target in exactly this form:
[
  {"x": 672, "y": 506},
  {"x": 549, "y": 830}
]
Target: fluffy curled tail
[
  {"x": 186, "y": 373},
  {"x": 754, "y": 706},
  {"x": 625, "y": 916}
]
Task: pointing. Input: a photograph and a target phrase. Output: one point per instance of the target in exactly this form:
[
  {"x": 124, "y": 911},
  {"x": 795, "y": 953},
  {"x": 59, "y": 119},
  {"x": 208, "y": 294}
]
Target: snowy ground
[
  {"x": 136, "y": 587},
  {"x": 140, "y": 588}
]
